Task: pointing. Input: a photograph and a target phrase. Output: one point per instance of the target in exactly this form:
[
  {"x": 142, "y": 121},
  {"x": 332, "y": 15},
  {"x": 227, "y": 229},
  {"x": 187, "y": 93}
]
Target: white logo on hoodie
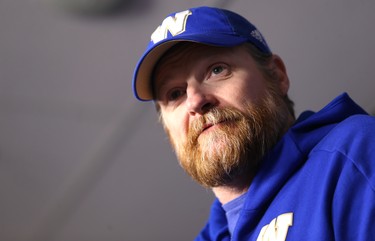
[{"x": 277, "y": 229}]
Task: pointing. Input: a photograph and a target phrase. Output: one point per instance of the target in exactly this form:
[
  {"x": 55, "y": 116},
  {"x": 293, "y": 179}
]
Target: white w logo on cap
[{"x": 175, "y": 25}]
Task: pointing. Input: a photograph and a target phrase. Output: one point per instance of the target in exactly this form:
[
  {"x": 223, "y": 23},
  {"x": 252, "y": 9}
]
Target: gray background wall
[{"x": 80, "y": 159}]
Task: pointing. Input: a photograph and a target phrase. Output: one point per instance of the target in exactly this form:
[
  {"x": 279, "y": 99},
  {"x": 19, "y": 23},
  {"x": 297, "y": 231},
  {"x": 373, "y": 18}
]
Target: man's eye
[
  {"x": 217, "y": 69},
  {"x": 175, "y": 94}
]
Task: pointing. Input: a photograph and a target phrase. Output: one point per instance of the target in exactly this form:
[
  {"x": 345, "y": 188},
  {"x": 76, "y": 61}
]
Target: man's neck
[
  {"x": 230, "y": 192},
  {"x": 226, "y": 194}
]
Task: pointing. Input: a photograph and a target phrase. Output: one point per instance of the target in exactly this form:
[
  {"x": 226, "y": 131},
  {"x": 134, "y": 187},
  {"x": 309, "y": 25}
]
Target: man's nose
[{"x": 199, "y": 100}]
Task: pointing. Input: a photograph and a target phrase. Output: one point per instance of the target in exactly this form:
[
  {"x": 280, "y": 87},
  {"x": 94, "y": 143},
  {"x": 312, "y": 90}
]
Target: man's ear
[{"x": 282, "y": 76}]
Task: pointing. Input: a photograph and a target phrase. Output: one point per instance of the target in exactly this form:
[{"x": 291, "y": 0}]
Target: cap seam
[{"x": 221, "y": 12}]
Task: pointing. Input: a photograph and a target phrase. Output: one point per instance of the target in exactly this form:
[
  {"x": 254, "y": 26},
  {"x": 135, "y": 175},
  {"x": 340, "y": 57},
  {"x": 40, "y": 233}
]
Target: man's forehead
[
  {"x": 190, "y": 60},
  {"x": 185, "y": 50},
  {"x": 182, "y": 56}
]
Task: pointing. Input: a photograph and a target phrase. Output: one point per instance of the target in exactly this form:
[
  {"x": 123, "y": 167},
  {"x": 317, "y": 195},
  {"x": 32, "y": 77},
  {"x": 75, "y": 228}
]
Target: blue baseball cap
[{"x": 205, "y": 25}]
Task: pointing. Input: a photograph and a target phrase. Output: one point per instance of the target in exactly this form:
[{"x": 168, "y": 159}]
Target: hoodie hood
[{"x": 292, "y": 151}]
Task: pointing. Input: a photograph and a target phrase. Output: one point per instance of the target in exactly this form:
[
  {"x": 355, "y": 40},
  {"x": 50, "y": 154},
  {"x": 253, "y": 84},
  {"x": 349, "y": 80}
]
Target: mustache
[{"x": 214, "y": 116}]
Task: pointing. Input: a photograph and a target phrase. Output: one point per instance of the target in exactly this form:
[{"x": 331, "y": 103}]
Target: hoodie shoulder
[
  {"x": 356, "y": 131},
  {"x": 352, "y": 141}
]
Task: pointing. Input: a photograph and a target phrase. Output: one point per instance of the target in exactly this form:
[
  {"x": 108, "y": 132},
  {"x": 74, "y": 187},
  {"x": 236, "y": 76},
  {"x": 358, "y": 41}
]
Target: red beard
[{"x": 225, "y": 143}]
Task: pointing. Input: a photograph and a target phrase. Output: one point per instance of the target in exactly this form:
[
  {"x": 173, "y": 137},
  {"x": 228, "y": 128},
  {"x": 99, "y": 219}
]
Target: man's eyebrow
[
  {"x": 160, "y": 85},
  {"x": 162, "y": 80}
]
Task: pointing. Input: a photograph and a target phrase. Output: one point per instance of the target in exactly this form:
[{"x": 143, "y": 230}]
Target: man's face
[{"x": 218, "y": 110}]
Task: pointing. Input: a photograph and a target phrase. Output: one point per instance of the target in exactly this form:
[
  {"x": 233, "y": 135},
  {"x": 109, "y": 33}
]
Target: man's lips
[{"x": 209, "y": 125}]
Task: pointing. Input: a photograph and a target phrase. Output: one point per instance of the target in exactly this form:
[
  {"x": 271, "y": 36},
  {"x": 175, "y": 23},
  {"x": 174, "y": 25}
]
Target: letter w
[
  {"x": 175, "y": 25},
  {"x": 277, "y": 230}
]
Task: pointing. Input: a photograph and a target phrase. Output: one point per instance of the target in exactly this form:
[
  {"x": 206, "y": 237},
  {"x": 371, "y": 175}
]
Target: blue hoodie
[{"x": 316, "y": 184}]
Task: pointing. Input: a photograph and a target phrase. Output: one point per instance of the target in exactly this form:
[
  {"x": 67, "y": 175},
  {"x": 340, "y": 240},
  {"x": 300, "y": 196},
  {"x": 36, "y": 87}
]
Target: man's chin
[{"x": 212, "y": 141}]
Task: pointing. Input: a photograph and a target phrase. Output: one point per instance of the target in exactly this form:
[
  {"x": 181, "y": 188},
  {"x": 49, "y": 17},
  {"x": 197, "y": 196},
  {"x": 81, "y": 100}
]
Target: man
[{"x": 222, "y": 96}]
